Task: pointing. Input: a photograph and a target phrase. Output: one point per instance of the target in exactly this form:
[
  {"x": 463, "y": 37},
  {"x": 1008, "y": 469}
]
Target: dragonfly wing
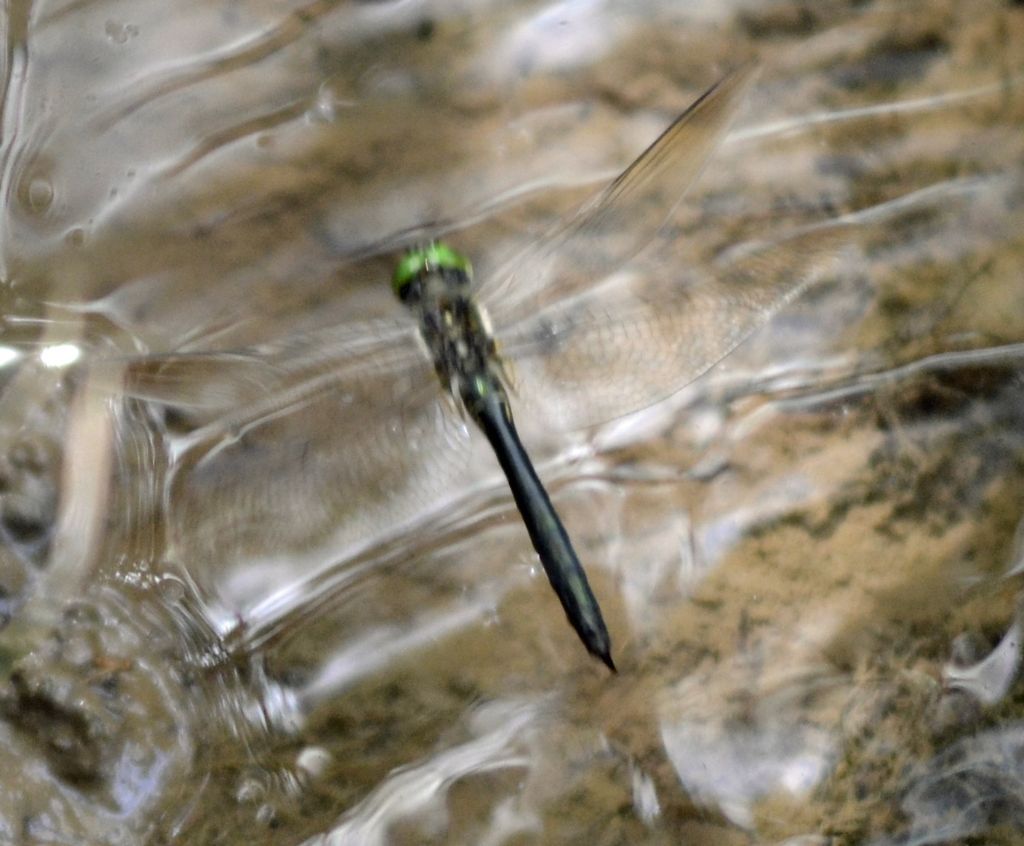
[
  {"x": 607, "y": 354},
  {"x": 318, "y": 453},
  {"x": 619, "y": 221},
  {"x": 237, "y": 383}
]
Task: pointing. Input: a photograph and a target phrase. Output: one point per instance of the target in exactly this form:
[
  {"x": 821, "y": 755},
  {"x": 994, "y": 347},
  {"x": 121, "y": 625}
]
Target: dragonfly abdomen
[{"x": 488, "y": 407}]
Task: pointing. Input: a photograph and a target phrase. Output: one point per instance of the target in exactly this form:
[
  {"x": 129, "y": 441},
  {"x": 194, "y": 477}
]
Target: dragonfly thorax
[{"x": 457, "y": 334}]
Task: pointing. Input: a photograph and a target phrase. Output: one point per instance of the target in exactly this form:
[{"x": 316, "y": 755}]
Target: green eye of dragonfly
[{"x": 436, "y": 255}]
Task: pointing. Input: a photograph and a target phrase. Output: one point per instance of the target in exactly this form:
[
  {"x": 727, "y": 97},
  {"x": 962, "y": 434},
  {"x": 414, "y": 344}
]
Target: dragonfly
[
  {"x": 310, "y": 431},
  {"x": 434, "y": 283}
]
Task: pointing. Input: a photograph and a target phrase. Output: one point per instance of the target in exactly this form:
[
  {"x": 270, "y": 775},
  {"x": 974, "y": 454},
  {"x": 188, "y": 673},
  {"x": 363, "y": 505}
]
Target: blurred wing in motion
[
  {"x": 315, "y": 444},
  {"x": 616, "y": 224},
  {"x": 604, "y": 355}
]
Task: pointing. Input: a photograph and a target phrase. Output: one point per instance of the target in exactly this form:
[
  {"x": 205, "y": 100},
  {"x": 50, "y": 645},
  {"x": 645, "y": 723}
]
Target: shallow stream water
[{"x": 809, "y": 559}]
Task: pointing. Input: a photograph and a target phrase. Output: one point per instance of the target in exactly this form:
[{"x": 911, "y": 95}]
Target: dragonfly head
[{"x": 420, "y": 262}]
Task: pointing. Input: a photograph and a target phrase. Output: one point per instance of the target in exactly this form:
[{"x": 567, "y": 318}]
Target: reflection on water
[{"x": 809, "y": 559}]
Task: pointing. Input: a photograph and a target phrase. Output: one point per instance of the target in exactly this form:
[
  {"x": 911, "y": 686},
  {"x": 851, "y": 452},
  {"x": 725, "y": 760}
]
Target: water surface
[{"x": 809, "y": 559}]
